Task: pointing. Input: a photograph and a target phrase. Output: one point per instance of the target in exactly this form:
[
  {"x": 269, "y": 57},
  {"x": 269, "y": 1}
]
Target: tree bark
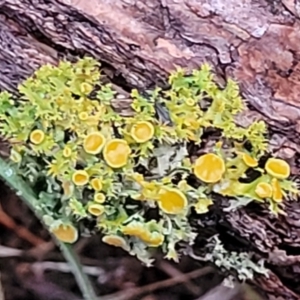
[{"x": 140, "y": 41}]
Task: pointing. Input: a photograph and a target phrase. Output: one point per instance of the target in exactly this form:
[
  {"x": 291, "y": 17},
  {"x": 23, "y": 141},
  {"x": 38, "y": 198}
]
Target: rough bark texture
[{"x": 257, "y": 42}]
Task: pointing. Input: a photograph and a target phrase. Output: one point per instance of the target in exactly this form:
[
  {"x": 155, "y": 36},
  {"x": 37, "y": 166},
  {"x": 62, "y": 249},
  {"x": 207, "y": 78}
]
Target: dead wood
[{"x": 255, "y": 42}]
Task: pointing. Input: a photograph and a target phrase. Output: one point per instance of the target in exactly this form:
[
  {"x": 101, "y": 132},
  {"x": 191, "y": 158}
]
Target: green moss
[{"x": 63, "y": 105}]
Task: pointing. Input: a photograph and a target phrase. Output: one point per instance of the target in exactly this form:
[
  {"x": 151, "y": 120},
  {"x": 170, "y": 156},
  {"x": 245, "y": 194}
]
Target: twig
[
  {"x": 223, "y": 292},
  {"x": 173, "y": 272},
  {"x": 9, "y": 252},
  {"x": 40, "y": 267},
  {"x": 134, "y": 292},
  {"x": 21, "y": 231},
  {"x": 81, "y": 278},
  {"x": 40, "y": 251},
  {"x": 36, "y": 252},
  {"x": 11, "y": 178},
  {"x": 40, "y": 286},
  {"x": 1, "y": 290}
]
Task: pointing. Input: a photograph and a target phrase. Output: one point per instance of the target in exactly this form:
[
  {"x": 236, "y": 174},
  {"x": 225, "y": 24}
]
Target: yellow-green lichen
[{"x": 91, "y": 163}]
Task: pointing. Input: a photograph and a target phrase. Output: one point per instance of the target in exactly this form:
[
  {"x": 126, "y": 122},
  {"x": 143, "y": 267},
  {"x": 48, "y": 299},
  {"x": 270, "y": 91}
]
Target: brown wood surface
[{"x": 257, "y": 42}]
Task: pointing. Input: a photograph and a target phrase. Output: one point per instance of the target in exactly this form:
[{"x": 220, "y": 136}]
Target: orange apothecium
[
  {"x": 96, "y": 184},
  {"x": 278, "y": 168},
  {"x": 171, "y": 200},
  {"x": 116, "y": 153},
  {"x": 277, "y": 191},
  {"x": 209, "y": 168},
  {"x": 66, "y": 233},
  {"x": 94, "y": 142},
  {"x": 37, "y": 136},
  {"x": 142, "y": 132},
  {"x": 99, "y": 198},
  {"x": 96, "y": 209},
  {"x": 264, "y": 190},
  {"x": 114, "y": 240},
  {"x": 80, "y": 177},
  {"x": 249, "y": 160}
]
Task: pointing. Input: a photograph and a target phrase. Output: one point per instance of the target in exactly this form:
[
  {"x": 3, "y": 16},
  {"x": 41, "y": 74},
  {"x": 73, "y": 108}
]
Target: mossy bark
[{"x": 139, "y": 42}]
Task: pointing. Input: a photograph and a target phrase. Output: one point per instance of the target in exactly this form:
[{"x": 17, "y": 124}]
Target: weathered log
[{"x": 256, "y": 43}]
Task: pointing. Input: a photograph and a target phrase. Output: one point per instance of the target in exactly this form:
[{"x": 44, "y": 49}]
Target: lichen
[
  {"x": 92, "y": 165},
  {"x": 240, "y": 264}
]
